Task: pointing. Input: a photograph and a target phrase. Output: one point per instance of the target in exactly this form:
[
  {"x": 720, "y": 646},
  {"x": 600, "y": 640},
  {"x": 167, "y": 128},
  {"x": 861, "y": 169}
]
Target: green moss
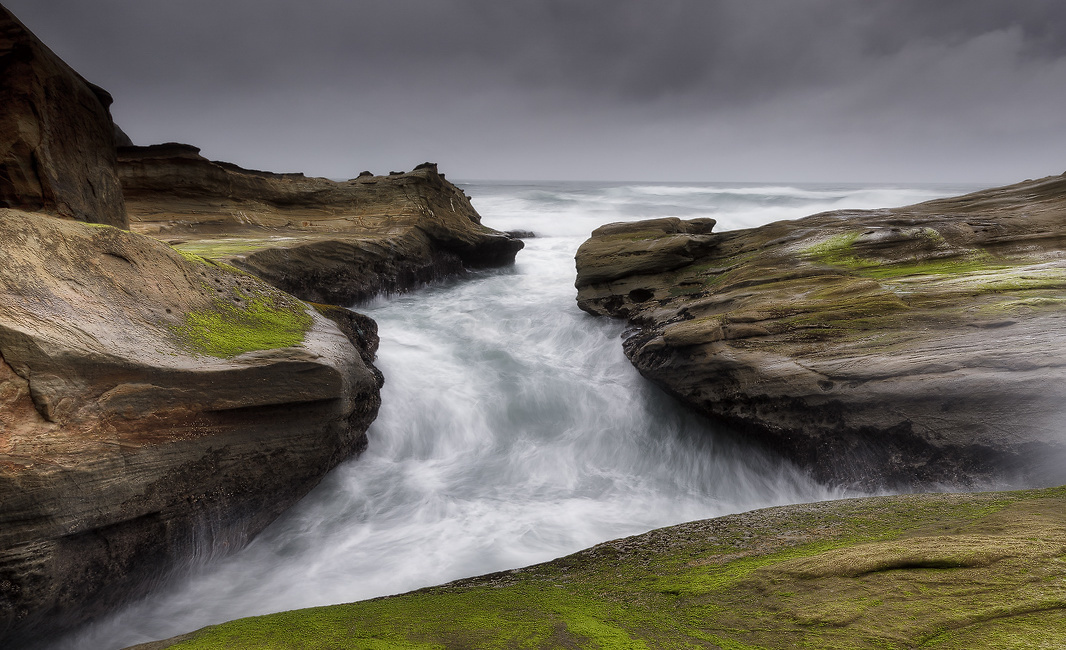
[
  {"x": 839, "y": 251},
  {"x": 262, "y": 323},
  {"x": 786, "y": 579},
  {"x": 229, "y": 247}
]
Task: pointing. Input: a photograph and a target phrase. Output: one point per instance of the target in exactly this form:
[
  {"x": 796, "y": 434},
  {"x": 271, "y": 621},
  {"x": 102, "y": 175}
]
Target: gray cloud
[{"x": 675, "y": 89}]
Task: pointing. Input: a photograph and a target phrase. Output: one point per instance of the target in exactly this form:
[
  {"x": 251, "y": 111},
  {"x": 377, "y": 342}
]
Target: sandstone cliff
[
  {"x": 321, "y": 240},
  {"x": 912, "y": 346},
  {"x": 57, "y": 151},
  {"x": 152, "y": 405}
]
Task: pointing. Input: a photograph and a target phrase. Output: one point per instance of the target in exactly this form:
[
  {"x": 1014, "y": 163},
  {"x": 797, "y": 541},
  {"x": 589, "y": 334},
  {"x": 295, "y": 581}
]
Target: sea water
[{"x": 512, "y": 429}]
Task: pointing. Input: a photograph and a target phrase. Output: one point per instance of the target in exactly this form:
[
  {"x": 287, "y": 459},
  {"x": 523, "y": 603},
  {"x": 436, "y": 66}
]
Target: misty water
[{"x": 512, "y": 430}]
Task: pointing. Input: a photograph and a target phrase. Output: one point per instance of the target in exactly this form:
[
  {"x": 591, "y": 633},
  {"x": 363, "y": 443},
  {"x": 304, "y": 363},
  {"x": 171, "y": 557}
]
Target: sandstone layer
[
  {"x": 900, "y": 347},
  {"x": 153, "y": 405},
  {"x": 321, "y": 240},
  {"x": 943, "y": 571},
  {"x": 57, "y": 147}
]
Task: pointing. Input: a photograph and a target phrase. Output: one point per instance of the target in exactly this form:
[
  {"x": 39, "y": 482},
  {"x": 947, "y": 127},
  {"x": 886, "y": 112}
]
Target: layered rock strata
[
  {"x": 57, "y": 151},
  {"x": 911, "y": 346},
  {"x": 153, "y": 405},
  {"x": 321, "y": 240}
]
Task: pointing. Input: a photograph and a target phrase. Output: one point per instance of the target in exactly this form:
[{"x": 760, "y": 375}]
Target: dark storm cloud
[{"x": 755, "y": 88}]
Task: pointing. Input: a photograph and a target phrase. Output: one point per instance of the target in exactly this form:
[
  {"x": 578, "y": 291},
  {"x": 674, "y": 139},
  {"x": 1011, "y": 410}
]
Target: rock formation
[
  {"x": 943, "y": 571},
  {"x": 153, "y": 405},
  {"x": 904, "y": 347},
  {"x": 54, "y": 157},
  {"x": 321, "y": 240}
]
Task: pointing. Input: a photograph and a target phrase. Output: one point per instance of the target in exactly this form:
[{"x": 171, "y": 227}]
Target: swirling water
[{"x": 512, "y": 431}]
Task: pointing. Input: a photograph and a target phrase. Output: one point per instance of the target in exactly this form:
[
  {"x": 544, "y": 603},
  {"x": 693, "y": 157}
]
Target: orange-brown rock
[{"x": 57, "y": 148}]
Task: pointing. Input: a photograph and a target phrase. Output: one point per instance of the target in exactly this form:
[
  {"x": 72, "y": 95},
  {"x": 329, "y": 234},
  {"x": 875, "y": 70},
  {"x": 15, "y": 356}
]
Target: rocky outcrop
[
  {"x": 903, "y": 347},
  {"x": 57, "y": 151},
  {"x": 321, "y": 240},
  {"x": 945, "y": 571},
  {"x": 153, "y": 405}
]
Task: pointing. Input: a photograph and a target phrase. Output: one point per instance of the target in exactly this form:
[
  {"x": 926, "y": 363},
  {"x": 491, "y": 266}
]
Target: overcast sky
[{"x": 687, "y": 90}]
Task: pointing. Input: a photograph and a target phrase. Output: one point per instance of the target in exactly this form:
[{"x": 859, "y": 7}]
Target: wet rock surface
[
  {"x": 946, "y": 571},
  {"x": 902, "y": 347},
  {"x": 321, "y": 240},
  {"x": 153, "y": 406}
]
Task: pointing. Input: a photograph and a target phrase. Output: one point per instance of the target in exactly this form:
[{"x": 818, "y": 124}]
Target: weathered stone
[
  {"x": 945, "y": 571},
  {"x": 915, "y": 346},
  {"x": 57, "y": 148},
  {"x": 321, "y": 240},
  {"x": 153, "y": 405}
]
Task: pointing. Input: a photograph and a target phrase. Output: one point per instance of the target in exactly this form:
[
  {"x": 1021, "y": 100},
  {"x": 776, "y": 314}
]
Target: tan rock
[
  {"x": 915, "y": 346},
  {"x": 321, "y": 240},
  {"x": 153, "y": 405}
]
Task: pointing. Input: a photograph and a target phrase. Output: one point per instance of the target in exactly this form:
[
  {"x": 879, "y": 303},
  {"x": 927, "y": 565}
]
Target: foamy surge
[{"x": 513, "y": 429}]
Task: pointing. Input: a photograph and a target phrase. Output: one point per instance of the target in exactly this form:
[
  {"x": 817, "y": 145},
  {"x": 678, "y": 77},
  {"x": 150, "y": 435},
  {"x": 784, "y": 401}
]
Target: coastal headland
[
  {"x": 157, "y": 405},
  {"x": 907, "y": 347},
  {"x": 178, "y": 366}
]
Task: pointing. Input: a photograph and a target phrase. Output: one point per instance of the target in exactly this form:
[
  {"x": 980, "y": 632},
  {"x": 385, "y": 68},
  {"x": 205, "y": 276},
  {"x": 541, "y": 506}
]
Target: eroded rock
[
  {"x": 153, "y": 405},
  {"x": 321, "y": 240},
  {"x": 914, "y": 346},
  {"x": 57, "y": 151}
]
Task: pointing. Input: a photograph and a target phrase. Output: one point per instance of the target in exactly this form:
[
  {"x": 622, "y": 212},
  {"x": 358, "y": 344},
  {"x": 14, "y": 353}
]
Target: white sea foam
[{"x": 513, "y": 429}]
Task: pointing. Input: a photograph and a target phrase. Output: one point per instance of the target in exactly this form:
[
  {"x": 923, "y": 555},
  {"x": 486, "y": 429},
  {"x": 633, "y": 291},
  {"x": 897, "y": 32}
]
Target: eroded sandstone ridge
[
  {"x": 57, "y": 151},
  {"x": 321, "y": 240},
  {"x": 911, "y": 346},
  {"x": 154, "y": 405}
]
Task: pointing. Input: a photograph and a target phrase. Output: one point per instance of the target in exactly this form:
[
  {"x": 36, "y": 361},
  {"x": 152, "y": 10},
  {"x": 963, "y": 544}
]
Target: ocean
[{"x": 513, "y": 430}]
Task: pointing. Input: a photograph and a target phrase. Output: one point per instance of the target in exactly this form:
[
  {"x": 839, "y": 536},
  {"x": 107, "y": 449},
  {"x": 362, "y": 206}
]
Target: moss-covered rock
[
  {"x": 930, "y": 571},
  {"x": 912, "y": 346}
]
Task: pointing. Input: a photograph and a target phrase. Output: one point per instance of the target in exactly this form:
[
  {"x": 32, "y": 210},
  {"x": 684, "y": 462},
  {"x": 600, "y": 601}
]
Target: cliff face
[
  {"x": 153, "y": 404},
  {"x": 321, "y": 240},
  {"x": 57, "y": 149},
  {"x": 912, "y": 346}
]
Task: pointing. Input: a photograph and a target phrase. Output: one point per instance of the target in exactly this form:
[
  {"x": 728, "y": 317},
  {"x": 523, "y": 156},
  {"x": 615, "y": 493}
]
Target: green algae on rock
[
  {"x": 912, "y": 346},
  {"x": 930, "y": 571}
]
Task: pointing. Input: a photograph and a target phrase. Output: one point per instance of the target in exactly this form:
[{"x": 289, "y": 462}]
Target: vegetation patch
[
  {"x": 229, "y": 247},
  {"x": 839, "y": 251},
  {"x": 938, "y": 571},
  {"x": 263, "y": 322}
]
